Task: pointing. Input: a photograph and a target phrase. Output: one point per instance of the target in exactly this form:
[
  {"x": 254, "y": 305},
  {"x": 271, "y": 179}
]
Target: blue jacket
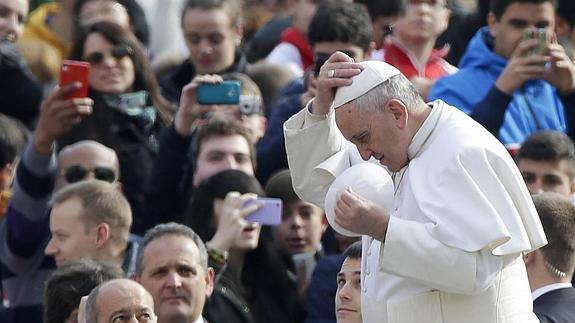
[{"x": 534, "y": 106}]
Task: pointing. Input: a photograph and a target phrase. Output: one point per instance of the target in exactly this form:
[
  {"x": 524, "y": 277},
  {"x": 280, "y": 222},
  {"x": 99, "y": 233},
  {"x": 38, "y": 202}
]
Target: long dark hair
[
  {"x": 144, "y": 77},
  {"x": 274, "y": 294},
  {"x": 200, "y": 213}
]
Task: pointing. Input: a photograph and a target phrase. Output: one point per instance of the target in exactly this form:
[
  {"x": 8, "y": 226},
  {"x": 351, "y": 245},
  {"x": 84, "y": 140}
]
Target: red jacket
[{"x": 402, "y": 59}]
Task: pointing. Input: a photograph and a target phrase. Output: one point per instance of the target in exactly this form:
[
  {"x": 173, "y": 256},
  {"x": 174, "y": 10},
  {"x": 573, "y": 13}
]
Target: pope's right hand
[{"x": 337, "y": 71}]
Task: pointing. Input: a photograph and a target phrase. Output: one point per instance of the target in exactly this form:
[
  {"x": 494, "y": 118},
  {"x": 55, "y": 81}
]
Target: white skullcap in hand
[
  {"x": 367, "y": 179},
  {"x": 373, "y": 74}
]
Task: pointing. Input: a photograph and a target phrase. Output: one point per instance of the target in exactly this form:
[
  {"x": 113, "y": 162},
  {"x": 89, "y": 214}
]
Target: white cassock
[{"x": 459, "y": 220}]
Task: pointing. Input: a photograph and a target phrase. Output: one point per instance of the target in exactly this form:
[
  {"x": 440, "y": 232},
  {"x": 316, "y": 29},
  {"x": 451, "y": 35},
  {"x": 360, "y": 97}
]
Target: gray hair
[
  {"x": 171, "y": 228},
  {"x": 396, "y": 87}
]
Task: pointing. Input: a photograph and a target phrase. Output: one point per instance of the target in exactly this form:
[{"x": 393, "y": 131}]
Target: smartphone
[
  {"x": 227, "y": 92},
  {"x": 75, "y": 71},
  {"x": 541, "y": 35},
  {"x": 269, "y": 214}
]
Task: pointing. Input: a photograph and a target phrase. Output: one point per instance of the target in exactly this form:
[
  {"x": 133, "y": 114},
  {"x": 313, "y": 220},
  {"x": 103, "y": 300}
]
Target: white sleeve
[
  {"x": 410, "y": 251},
  {"x": 317, "y": 152}
]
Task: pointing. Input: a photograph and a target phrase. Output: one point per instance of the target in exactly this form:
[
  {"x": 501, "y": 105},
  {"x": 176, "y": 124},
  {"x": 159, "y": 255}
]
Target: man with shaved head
[
  {"x": 120, "y": 300},
  {"x": 76, "y": 230}
]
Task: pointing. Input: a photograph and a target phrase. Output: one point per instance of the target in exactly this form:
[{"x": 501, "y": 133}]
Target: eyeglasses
[
  {"x": 118, "y": 52},
  {"x": 76, "y": 173}
]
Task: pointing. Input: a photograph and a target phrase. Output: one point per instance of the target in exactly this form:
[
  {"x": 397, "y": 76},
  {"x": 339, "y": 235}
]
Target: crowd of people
[{"x": 133, "y": 202}]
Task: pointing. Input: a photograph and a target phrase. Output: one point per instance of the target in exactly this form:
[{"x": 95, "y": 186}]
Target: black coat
[
  {"x": 133, "y": 138},
  {"x": 20, "y": 92},
  {"x": 557, "y": 306}
]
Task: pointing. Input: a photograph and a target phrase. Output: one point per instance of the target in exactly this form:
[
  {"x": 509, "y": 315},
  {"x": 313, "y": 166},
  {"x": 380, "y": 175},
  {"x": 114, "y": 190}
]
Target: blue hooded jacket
[{"x": 533, "y": 107}]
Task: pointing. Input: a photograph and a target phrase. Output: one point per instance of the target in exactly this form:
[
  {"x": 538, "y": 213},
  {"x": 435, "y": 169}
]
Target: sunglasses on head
[
  {"x": 118, "y": 52},
  {"x": 76, "y": 173}
]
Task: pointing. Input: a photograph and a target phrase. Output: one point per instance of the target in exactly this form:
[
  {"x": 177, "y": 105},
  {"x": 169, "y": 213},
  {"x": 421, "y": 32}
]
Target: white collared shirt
[{"x": 548, "y": 288}]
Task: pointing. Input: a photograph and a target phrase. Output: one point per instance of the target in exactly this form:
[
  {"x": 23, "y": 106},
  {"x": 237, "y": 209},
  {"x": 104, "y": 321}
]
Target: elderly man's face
[
  {"x": 173, "y": 274},
  {"x": 376, "y": 132},
  {"x": 348, "y": 294},
  {"x": 122, "y": 301}
]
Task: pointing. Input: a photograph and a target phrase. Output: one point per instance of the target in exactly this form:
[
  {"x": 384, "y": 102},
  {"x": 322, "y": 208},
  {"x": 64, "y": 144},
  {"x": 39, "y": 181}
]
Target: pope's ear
[{"x": 399, "y": 112}]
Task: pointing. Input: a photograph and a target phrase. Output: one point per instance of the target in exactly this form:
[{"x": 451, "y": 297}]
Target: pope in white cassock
[{"x": 446, "y": 245}]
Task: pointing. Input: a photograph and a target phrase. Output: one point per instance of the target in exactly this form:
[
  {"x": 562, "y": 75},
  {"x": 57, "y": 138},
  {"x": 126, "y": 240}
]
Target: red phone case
[{"x": 75, "y": 71}]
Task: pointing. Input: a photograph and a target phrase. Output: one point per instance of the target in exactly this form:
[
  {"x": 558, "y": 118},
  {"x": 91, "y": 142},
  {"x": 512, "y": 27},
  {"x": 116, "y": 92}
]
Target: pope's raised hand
[{"x": 359, "y": 215}]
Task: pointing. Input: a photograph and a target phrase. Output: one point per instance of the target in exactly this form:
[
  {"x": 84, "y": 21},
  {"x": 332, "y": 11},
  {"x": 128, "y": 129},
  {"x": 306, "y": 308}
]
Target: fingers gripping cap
[
  {"x": 368, "y": 180},
  {"x": 373, "y": 74}
]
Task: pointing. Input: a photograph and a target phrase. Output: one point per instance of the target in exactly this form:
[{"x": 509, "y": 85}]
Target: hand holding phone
[
  {"x": 542, "y": 37},
  {"x": 270, "y": 212},
  {"x": 75, "y": 71}
]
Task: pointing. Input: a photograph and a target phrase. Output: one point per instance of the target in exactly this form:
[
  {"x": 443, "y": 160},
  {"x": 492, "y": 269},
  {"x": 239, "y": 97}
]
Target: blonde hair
[{"x": 102, "y": 203}]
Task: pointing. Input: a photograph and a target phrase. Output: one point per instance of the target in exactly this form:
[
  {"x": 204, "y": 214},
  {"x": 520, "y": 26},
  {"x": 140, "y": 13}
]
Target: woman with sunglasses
[
  {"x": 128, "y": 107},
  {"x": 252, "y": 284}
]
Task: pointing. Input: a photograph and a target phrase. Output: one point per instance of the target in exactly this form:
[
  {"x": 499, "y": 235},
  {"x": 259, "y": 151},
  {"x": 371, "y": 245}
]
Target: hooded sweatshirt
[{"x": 534, "y": 106}]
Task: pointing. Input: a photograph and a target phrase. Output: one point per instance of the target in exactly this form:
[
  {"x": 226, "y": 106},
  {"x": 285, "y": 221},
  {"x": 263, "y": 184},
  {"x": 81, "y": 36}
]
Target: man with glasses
[{"x": 25, "y": 235}]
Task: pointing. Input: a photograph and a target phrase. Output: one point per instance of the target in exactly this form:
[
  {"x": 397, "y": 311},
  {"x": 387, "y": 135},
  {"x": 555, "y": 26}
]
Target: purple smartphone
[{"x": 269, "y": 214}]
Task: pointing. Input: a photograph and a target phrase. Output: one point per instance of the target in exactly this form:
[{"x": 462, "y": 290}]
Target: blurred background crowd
[{"x": 109, "y": 186}]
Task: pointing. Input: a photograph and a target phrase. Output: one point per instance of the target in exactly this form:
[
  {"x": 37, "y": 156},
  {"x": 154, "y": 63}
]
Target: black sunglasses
[
  {"x": 76, "y": 173},
  {"x": 118, "y": 52}
]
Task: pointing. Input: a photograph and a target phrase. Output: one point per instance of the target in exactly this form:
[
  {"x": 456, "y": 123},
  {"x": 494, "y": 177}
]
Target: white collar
[
  {"x": 200, "y": 320},
  {"x": 548, "y": 288},
  {"x": 425, "y": 130}
]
